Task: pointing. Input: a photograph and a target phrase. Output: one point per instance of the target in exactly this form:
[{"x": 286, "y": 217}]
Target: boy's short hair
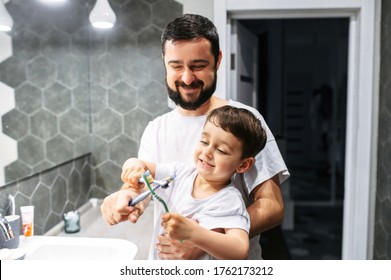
[{"x": 243, "y": 125}]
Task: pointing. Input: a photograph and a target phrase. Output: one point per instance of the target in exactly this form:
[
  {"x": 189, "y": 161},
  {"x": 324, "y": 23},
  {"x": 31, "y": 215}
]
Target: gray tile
[
  {"x": 15, "y": 124},
  {"x": 31, "y": 150},
  {"x": 149, "y": 42},
  {"x": 56, "y": 45},
  {"x": 59, "y": 195},
  {"x": 121, "y": 42},
  {"x": 118, "y": 154},
  {"x": 28, "y": 98},
  {"x": 41, "y": 72},
  {"x": 44, "y": 124},
  {"x": 153, "y": 97},
  {"x": 99, "y": 98},
  {"x": 105, "y": 70},
  {"x": 48, "y": 177},
  {"x": 12, "y": 72},
  {"x": 16, "y": 170},
  {"x": 59, "y": 149},
  {"x": 136, "y": 16},
  {"x": 108, "y": 177},
  {"x": 74, "y": 125},
  {"x": 41, "y": 202},
  {"x": 137, "y": 69},
  {"x": 71, "y": 16},
  {"x": 51, "y": 221},
  {"x": 100, "y": 151},
  {"x": 81, "y": 98},
  {"x": 74, "y": 186},
  {"x": 26, "y": 45},
  {"x": 80, "y": 44},
  {"x": 27, "y": 187},
  {"x": 57, "y": 98},
  {"x": 135, "y": 123},
  {"x": 122, "y": 97},
  {"x": 165, "y": 11},
  {"x": 107, "y": 124},
  {"x": 73, "y": 71}
]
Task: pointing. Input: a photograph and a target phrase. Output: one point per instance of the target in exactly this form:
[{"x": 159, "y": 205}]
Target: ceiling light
[
  {"x": 53, "y": 1},
  {"x": 6, "y": 21},
  {"x": 102, "y": 16}
]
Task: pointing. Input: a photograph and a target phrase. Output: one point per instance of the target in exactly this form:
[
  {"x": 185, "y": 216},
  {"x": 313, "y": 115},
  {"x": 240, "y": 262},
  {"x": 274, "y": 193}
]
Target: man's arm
[
  {"x": 115, "y": 207},
  {"x": 267, "y": 210}
]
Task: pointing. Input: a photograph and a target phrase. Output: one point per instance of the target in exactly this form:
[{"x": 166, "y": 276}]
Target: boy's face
[{"x": 218, "y": 154}]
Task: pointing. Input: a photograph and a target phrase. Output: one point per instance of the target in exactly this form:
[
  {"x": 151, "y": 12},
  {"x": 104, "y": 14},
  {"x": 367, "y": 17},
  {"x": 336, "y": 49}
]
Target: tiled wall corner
[
  {"x": 9, "y": 152},
  {"x": 53, "y": 192}
]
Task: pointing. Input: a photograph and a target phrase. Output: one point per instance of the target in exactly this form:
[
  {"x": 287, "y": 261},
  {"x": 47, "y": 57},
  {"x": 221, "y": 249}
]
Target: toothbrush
[{"x": 148, "y": 179}]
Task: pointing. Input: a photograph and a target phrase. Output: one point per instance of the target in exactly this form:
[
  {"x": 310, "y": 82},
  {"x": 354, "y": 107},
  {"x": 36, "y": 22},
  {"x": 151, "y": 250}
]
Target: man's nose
[{"x": 188, "y": 76}]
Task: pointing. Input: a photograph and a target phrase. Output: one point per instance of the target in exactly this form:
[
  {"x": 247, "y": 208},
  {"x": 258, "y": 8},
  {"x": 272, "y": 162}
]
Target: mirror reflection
[{"x": 69, "y": 90}]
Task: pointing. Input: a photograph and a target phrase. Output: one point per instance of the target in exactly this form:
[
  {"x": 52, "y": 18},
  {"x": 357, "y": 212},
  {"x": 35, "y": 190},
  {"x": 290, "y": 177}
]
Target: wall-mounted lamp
[
  {"x": 6, "y": 21},
  {"x": 102, "y": 16}
]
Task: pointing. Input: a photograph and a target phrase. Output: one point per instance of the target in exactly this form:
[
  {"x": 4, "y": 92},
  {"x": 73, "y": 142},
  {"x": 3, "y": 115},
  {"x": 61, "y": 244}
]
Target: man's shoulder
[
  {"x": 163, "y": 118},
  {"x": 238, "y": 104}
]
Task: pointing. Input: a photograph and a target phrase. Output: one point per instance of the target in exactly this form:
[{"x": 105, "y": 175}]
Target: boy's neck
[{"x": 203, "y": 188}]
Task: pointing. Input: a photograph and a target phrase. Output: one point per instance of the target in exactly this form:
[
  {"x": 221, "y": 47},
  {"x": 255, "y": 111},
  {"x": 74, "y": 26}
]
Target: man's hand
[
  {"x": 115, "y": 207},
  {"x": 171, "y": 249}
]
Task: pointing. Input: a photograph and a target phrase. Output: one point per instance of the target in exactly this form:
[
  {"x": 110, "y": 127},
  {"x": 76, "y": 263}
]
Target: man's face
[{"x": 190, "y": 72}]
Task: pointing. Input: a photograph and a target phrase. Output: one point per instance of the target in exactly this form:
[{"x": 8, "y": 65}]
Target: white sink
[{"x": 77, "y": 248}]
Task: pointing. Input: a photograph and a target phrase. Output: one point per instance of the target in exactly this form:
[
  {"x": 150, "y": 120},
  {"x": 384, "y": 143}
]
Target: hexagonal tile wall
[{"x": 7, "y": 144}]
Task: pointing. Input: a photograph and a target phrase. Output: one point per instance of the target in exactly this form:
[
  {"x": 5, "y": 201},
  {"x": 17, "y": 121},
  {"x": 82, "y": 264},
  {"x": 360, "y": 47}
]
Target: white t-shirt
[
  {"x": 224, "y": 209},
  {"x": 173, "y": 137}
]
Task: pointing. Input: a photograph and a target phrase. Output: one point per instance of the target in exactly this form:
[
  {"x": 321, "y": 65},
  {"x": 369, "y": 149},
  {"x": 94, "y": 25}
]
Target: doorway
[
  {"x": 362, "y": 97},
  {"x": 297, "y": 79}
]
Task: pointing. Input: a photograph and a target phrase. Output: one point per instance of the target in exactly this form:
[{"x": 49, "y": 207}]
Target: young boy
[{"x": 205, "y": 208}]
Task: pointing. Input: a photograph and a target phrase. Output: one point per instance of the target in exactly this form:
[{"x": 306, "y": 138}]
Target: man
[{"x": 191, "y": 54}]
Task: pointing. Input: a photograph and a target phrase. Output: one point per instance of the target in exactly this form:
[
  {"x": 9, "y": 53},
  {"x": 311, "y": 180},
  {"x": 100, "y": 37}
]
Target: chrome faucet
[{"x": 6, "y": 229}]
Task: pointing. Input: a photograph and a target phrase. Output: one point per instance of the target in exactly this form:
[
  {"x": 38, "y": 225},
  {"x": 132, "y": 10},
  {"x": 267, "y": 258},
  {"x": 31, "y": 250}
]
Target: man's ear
[
  {"x": 219, "y": 59},
  {"x": 246, "y": 164}
]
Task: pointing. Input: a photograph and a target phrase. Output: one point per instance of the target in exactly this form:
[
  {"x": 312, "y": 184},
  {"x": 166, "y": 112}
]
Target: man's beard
[{"x": 205, "y": 94}]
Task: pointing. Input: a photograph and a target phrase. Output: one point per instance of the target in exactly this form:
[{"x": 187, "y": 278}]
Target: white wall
[{"x": 201, "y": 7}]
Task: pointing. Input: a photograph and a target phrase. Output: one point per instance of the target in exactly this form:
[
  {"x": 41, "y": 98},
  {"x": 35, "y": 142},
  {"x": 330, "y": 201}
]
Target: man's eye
[{"x": 198, "y": 67}]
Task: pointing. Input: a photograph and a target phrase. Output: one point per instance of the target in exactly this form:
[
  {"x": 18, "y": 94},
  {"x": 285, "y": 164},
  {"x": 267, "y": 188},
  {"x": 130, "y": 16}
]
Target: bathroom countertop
[{"x": 93, "y": 225}]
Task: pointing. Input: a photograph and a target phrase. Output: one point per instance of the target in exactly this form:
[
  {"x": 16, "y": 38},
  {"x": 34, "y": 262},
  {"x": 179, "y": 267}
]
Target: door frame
[{"x": 362, "y": 98}]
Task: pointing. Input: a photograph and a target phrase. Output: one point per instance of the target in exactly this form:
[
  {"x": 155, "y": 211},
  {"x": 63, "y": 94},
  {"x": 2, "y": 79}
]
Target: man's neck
[{"x": 213, "y": 103}]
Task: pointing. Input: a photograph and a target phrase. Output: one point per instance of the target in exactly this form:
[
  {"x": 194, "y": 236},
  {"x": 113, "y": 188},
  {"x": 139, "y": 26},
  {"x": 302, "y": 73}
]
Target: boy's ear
[{"x": 246, "y": 164}]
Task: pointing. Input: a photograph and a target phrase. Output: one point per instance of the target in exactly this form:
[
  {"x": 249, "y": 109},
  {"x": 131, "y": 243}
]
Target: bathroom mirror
[
  {"x": 67, "y": 89},
  {"x": 44, "y": 87}
]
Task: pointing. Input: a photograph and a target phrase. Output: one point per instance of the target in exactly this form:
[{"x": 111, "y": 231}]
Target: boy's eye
[
  {"x": 222, "y": 152},
  {"x": 203, "y": 142}
]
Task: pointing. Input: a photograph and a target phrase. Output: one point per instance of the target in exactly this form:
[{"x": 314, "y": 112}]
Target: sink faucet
[{"x": 6, "y": 229}]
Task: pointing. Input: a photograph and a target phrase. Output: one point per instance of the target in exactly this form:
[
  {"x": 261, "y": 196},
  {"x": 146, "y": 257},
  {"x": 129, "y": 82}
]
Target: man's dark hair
[{"x": 190, "y": 26}]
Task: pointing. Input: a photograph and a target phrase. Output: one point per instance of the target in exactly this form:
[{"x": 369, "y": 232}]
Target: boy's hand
[
  {"x": 178, "y": 227},
  {"x": 132, "y": 175}
]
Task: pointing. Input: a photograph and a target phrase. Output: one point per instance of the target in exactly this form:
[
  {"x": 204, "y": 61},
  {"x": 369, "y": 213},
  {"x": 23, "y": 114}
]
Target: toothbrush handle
[{"x": 141, "y": 197}]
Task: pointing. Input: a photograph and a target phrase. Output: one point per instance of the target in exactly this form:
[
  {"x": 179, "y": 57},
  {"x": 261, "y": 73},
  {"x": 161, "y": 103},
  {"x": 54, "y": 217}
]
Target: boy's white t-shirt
[
  {"x": 224, "y": 209},
  {"x": 173, "y": 137}
]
